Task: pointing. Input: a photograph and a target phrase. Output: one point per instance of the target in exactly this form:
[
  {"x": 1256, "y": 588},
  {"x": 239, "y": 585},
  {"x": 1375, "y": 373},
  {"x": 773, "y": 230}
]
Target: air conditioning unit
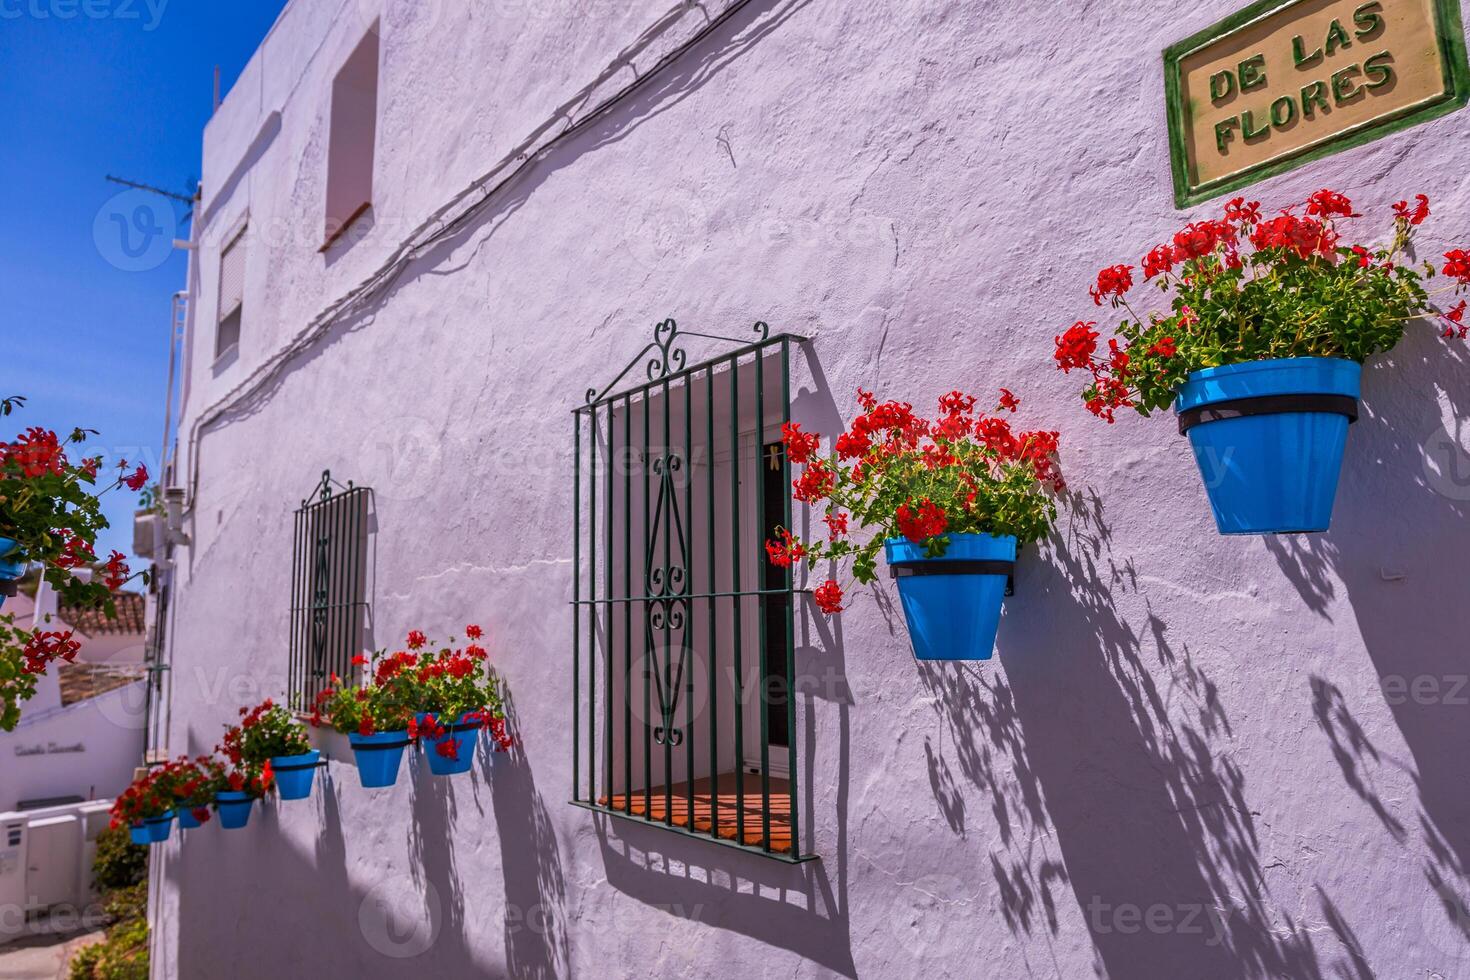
[{"x": 147, "y": 533}]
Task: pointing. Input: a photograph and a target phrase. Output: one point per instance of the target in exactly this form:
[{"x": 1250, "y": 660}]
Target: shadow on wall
[
  {"x": 1098, "y": 785},
  {"x": 530, "y": 861},
  {"x": 788, "y": 906},
  {"x": 277, "y": 910},
  {"x": 1398, "y": 545}
]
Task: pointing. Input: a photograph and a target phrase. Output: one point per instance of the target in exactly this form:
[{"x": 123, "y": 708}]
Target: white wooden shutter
[{"x": 232, "y": 276}]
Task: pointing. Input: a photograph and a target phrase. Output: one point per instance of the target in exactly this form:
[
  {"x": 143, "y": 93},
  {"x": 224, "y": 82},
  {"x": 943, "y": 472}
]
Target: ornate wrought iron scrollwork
[
  {"x": 667, "y": 585},
  {"x": 668, "y": 358}
]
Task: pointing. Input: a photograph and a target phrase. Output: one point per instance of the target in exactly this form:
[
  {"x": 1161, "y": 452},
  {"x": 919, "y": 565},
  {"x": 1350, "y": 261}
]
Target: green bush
[
  {"x": 121, "y": 872},
  {"x": 119, "y": 862}
]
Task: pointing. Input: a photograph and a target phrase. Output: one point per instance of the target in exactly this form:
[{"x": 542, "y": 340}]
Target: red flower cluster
[
  {"x": 1457, "y": 265},
  {"x": 1303, "y": 237},
  {"x": 1076, "y": 346},
  {"x": 138, "y": 479},
  {"x": 828, "y": 596},
  {"x": 37, "y": 452},
  {"x": 1330, "y": 204},
  {"x": 45, "y": 648},
  {"x": 785, "y": 552},
  {"x": 76, "y": 554},
  {"x": 1414, "y": 215},
  {"x": 799, "y": 445},
  {"x": 116, "y": 572},
  {"x": 921, "y": 524},
  {"x": 1113, "y": 282}
]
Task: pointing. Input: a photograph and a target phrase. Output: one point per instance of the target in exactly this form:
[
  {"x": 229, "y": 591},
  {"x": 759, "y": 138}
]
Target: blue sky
[{"x": 90, "y": 88}]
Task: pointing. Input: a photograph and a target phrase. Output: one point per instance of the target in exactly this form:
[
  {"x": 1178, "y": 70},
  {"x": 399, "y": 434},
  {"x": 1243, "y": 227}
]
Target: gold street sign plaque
[{"x": 1283, "y": 82}]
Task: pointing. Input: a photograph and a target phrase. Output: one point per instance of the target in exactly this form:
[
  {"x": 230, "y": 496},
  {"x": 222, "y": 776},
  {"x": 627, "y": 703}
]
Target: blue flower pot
[
  {"x": 158, "y": 828},
  {"x": 234, "y": 809},
  {"x": 952, "y": 604},
  {"x": 378, "y": 757},
  {"x": 294, "y": 774},
  {"x": 1269, "y": 437},
  {"x": 9, "y": 570},
  {"x": 187, "y": 820},
  {"x": 464, "y": 734},
  {"x": 138, "y": 834}
]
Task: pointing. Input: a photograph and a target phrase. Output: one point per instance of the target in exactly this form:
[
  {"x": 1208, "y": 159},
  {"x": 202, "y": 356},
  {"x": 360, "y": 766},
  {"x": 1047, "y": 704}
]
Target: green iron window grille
[
  {"x": 328, "y": 587},
  {"x": 683, "y": 633}
]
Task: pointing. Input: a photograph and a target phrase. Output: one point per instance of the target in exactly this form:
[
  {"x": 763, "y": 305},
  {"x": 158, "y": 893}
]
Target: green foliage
[
  {"x": 119, "y": 862},
  {"x": 50, "y": 507},
  {"x": 16, "y": 684},
  {"x": 123, "y": 955},
  {"x": 267, "y": 731}
]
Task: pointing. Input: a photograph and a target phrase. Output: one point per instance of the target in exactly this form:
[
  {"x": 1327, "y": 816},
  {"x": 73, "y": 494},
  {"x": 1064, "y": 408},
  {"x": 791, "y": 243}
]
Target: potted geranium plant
[
  {"x": 375, "y": 717},
  {"x": 949, "y": 502},
  {"x": 127, "y": 811},
  {"x": 147, "y": 806},
  {"x": 1260, "y": 352},
  {"x": 244, "y": 781},
  {"x": 199, "y": 780},
  {"x": 268, "y": 733},
  {"x": 456, "y": 697}
]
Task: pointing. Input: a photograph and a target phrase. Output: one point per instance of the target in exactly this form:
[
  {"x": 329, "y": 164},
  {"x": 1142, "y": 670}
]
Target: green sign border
[{"x": 1451, "y": 36}]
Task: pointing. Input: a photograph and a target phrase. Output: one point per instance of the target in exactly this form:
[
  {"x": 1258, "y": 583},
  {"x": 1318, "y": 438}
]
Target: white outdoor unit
[
  {"x": 12, "y": 865},
  {"x": 53, "y": 862},
  {"x": 147, "y": 530}
]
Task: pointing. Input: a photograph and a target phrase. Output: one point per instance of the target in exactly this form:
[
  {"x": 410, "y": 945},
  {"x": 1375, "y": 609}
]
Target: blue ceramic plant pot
[
  {"x": 187, "y": 820},
  {"x": 952, "y": 604},
  {"x": 9, "y": 570},
  {"x": 378, "y": 757},
  {"x": 1269, "y": 437},
  {"x": 464, "y": 735},
  {"x": 158, "y": 828},
  {"x": 294, "y": 774},
  {"x": 138, "y": 834},
  {"x": 234, "y": 809}
]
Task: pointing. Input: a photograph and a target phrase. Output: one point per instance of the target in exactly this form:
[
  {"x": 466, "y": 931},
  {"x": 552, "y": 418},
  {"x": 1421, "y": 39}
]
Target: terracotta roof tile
[{"x": 94, "y": 622}]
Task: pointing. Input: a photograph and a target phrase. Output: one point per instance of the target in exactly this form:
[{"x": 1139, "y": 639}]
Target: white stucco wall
[
  {"x": 1193, "y": 756},
  {"x": 89, "y": 750}
]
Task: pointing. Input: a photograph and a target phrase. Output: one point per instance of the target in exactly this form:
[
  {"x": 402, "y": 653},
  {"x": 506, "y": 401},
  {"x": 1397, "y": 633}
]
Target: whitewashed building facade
[{"x": 428, "y": 230}]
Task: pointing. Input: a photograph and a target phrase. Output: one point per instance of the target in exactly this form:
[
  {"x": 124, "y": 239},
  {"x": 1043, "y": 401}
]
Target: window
[
  {"x": 231, "y": 294},
  {"x": 684, "y": 632},
  {"x": 354, "y": 126},
  {"x": 328, "y": 587}
]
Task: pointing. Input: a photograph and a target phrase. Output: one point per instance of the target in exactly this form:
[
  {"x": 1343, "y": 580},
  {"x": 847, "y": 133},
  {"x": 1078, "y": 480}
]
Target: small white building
[{"x": 82, "y": 736}]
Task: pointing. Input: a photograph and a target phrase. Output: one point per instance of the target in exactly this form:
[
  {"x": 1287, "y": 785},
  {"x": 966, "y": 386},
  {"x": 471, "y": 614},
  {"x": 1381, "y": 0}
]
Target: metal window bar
[
  {"x": 328, "y": 587},
  {"x": 669, "y": 573}
]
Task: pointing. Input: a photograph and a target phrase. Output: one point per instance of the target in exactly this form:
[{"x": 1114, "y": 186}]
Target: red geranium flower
[
  {"x": 784, "y": 552},
  {"x": 1415, "y": 215},
  {"x": 1327, "y": 204},
  {"x": 799, "y": 445},
  {"x": 1457, "y": 265},
  {"x": 829, "y": 597},
  {"x": 1113, "y": 281},
  {"x": 473, "y": 632},
  {"x": 929, "y": 521},
  {"x": 1076, "y": 347},
  {"x": 138, "y": 479}
]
